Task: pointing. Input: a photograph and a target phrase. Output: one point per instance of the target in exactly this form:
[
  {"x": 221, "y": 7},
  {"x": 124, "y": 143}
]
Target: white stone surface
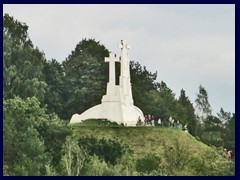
[{"x": 117, "y": 105}]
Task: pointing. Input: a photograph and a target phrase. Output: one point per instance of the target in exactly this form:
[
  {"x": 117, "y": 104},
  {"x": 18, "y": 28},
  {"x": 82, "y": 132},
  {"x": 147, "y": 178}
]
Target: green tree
[
  {"x": 224, "y": 116},
  {"x": 32, "y": 138},
  {"x": 167, "y": 102},
  {"x": 55, "y": 96},
  {"x": 23, "y": 63},
  {"x": 24, "y": 150},
  {"x": 212, "y": 132},
  {"x": 229, "y": 134},
  {"x": 185, "y": 112},
  {"x": 203, "y": 110},
  {"x": 73, "y": 158},
  {"x": 54, "y": 132},
  {"x": 16, "y": 30},
  {"x": 143, "y": 81},
  {"x": 92, "y": 48},
  {"x": 85, "y": 76},
  {"x": 202, "y": 104}
]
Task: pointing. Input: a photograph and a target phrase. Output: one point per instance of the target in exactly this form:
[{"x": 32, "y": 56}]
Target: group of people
[
  {"x": 172, "y": 121},
  {"x": 149, "y": 120}
]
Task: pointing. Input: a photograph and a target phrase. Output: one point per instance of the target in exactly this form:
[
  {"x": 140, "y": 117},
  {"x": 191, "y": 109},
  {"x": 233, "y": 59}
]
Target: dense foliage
[
  {"x": 31, "y": 137},
  {"x": 40, "y": 96}
]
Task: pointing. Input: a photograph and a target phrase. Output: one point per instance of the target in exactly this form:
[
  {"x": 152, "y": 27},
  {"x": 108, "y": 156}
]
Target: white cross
[{"x": 112, "y": 59}]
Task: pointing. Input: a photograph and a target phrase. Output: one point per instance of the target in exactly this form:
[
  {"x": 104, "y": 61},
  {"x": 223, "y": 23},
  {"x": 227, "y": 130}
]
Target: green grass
[
  {"x": 170, "y": 144},
  {"x": 143, "y": 139}
]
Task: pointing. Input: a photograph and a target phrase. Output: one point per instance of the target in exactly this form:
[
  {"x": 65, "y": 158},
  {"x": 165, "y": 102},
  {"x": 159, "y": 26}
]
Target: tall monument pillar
[
  {"x": 125, "y": 74},
  {"x": 117, "y": 103}
]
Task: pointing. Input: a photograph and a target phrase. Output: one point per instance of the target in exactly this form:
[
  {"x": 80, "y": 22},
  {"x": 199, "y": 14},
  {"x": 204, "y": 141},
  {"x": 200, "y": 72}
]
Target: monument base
[{"x": 112, "y": 111}]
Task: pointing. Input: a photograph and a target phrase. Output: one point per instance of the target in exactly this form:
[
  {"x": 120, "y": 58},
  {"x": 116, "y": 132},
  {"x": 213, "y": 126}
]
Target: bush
[
  {"x": 148, "y": 163},
  {"x": 97, "y": 167},
  {"x": 210, "y": 163},
  {"x": 177, "y": 157},
  {"x": 109, "y": 150}
]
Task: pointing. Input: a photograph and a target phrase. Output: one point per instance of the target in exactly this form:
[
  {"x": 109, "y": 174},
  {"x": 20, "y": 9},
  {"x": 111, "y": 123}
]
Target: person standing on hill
[
  {"x": 229, "y": 154},
  {"x": 149, "y": 119},
  {"x": 170, "y": 121},
  {"x": 146, "y": 119},
  {"x": 159, "y": 122},
  {"x": 152, "y": 120}
]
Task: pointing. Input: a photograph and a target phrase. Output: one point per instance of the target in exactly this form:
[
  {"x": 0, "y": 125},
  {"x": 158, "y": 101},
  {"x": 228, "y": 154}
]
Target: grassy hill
[
  {"x": 144, "y": 139},
  {"x": 178, "y": 151}
]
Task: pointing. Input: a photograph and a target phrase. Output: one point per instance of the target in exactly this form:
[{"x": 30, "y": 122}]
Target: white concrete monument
[{"x": 117, "y": 105}]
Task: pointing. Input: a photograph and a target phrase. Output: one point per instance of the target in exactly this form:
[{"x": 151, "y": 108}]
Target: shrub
[
  {"x": 109, "y": 150},
  {"x": 148, "y": 163}
]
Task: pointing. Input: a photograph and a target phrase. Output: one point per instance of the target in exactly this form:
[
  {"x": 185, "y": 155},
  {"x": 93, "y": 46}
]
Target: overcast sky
[{"x": 187, "y": 45}]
